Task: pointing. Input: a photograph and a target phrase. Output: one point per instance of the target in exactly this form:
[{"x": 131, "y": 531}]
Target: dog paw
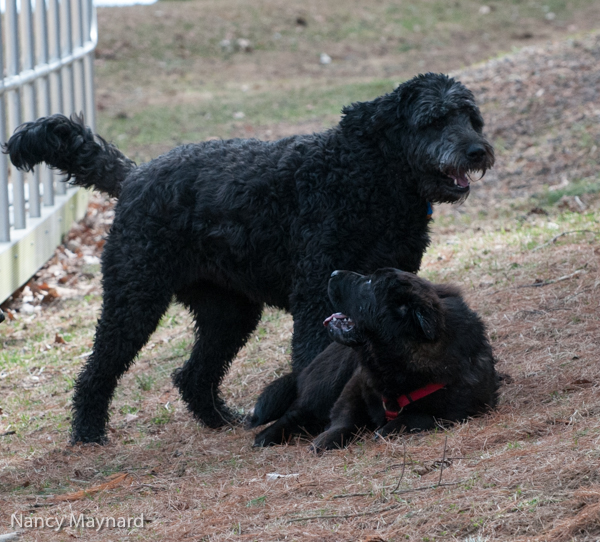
[
  {"x": 315, "y": 449},
  {"x": 223, "y": 417},
  {"x": 84, "y": 438},
  {"x": 327, "y": 441},
  {"x": 265, "y": 439},
  {"x": 252, "y": 421},
  {"x": 389, "y": 430}
]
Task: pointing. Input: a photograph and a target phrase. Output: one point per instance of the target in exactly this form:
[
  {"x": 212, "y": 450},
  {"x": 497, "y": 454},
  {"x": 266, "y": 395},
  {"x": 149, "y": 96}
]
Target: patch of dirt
[{"x": 542, "y": 111}]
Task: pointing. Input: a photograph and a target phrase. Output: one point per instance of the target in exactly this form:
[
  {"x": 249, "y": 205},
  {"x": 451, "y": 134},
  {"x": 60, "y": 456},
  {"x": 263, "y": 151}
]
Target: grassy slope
[
  {"x": 530, "y": 468},
  {"x": 164, "y": 79}
]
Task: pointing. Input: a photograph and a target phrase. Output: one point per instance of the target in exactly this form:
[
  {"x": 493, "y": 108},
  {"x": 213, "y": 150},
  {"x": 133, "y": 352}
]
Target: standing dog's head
[
  {"x": 432, "y": 127},
  {"x": 386, "y": 307}
]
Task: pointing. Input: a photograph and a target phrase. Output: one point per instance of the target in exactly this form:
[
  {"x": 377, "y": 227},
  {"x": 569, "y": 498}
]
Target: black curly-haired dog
[
  {"x": 229, "y": 226},
  {"x": 407, "y": 355}
]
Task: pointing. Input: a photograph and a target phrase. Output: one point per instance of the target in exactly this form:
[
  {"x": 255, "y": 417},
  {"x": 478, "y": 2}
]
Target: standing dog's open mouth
[{"x": 462, "y": 179}]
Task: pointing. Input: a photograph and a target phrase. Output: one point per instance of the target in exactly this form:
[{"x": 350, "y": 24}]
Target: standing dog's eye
[{"x": 402, "y": 310}]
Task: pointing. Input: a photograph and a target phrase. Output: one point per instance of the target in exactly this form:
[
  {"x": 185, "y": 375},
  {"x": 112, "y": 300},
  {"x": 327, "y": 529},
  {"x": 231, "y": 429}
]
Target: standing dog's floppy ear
[{"x": 368, "y": 118}]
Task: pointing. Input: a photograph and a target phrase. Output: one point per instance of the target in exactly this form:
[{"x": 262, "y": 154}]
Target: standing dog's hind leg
[{"x": 130, "y": 313}]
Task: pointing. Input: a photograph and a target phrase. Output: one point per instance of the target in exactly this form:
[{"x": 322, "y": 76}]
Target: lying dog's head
[
  {"x": 387, "y": 306},
  {"x": 432, "y": 126}
]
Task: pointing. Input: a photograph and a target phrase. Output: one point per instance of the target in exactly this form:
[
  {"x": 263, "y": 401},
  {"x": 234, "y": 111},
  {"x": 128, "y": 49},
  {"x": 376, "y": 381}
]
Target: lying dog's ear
[
  {"x": 427, "y": 322},
  {"x": 420, "y": 317}
]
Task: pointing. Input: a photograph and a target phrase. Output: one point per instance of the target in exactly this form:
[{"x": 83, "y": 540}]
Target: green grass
[
  {"x": 484, "y": 253},
  {"x": 144, "y": 381},
  {"x": 169, "y": 56},
  {"x": 163, "y": 416},
  {"x": 272, "y": 27},
  {"x": 259, "y": 501},
  {"x": 213, "y": 115},
  {"x": 575, "y": 188}
]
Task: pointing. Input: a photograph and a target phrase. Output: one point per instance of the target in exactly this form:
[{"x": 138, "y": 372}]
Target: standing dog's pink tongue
[{"x": 461, "y": 179}]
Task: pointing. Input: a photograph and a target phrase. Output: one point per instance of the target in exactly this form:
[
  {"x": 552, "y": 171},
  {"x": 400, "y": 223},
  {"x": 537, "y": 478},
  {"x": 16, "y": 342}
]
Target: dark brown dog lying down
[{"x": 407, "y": 355}]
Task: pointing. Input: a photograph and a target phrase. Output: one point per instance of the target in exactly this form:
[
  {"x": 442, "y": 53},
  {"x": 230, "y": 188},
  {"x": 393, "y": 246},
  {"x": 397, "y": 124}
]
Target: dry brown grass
[{"x": 528, "y": 471}]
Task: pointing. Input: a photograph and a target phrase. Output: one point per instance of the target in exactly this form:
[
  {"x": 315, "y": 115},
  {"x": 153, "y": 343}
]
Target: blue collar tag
[{"x": 429, "y": 211}]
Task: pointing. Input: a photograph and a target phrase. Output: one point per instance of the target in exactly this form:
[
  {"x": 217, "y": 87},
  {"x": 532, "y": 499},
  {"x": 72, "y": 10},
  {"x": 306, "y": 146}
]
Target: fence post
[
  {"x": 46, "y": 67},
  {"x": 4, "y": 200}
]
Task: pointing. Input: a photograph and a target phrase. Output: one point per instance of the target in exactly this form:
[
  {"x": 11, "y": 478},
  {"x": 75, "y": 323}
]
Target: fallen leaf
[
  {"x": 578, "y": 384},
  {"x": 114, "y": 481},
  {"x": 51, "y": 295}
]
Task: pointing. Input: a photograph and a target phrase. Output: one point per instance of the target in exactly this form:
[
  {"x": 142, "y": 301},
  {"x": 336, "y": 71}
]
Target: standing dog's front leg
[{"x": 309, "y": 339}]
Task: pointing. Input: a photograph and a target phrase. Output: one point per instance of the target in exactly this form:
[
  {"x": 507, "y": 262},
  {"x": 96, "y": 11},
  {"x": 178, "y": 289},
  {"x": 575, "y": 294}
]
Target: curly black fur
[
  {"x": 396, "y": 333},
  {"x": 228, "y": 226}
]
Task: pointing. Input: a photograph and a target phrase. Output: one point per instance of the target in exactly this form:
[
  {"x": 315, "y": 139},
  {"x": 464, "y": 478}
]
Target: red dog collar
[{"x": 411, "y": 397}]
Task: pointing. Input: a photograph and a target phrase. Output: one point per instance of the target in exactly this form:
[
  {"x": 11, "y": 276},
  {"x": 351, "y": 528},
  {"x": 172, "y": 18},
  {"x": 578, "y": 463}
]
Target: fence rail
[{"x": 46, "y": 59}]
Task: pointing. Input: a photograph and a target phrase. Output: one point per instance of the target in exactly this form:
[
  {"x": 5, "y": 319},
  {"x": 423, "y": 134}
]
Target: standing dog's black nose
[
  {"x": 475, "y": 152},
  {"x": 335, "y": 273}
]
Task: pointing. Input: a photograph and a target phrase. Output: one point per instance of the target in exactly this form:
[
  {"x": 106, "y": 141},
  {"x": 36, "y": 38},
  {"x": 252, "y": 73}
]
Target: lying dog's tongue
[
  {"x": 336, "y": 316},
  {"x": 339, "y": 321},
  {"x": 460, "y": 179}
]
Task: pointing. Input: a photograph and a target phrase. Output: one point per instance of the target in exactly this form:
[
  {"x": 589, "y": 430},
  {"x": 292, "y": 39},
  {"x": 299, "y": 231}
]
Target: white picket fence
[{"x": 46, "y": 60}]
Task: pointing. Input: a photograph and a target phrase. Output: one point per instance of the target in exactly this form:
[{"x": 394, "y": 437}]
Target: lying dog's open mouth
[
  {"x": 339, "y": 321},
  {"x": 342, "y": 329}
]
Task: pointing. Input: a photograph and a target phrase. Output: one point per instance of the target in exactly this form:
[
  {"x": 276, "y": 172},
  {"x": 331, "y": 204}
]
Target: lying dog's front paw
[
  {"x": 409, "y": 423},
  {"x": 315, "y": 450},
  {"x": 388, "y": 430},
  {"x": 331, "y": 440},
  {"x": 261, "y": 442},
  {"x": 271, "y": 436}
]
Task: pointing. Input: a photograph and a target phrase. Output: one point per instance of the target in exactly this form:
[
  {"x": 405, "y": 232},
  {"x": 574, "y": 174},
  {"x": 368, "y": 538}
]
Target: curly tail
[{"x": 71, "y": 147}]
